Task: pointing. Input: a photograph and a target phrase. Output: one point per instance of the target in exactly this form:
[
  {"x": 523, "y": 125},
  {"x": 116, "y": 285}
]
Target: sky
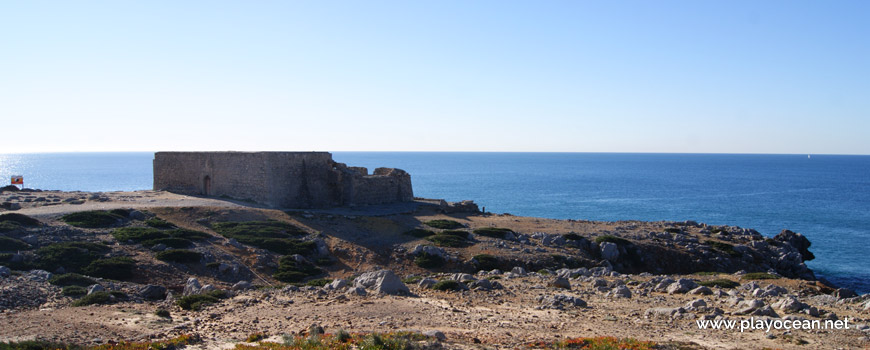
[{"x": 536, "y": 76}]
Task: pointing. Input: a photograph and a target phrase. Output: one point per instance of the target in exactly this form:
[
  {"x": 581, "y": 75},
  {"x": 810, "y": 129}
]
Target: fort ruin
[{"x": 279, "y": 179}]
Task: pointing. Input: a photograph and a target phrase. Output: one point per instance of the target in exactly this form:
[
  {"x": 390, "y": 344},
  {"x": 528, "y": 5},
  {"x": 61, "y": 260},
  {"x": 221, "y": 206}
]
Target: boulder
[
  {"x": 696, "y": 304},
  {"x": 844, "y": 293},
  {"x": 519, "y": 270},
  {"x": 428, "y": 249},
  {"x": 609, "y": 251},
  {"x": 356, "y": 291},
  {"x": 4, "y": 271},
  {"x": 382, "y": 282},
  {"x": 790, "y": 304},
  {"x": 746, "y": 307},
  {"x": 242, "y": 285},
  {"x": 702, "y": 290},
  {"x": 152, "y": 292},
  {"x": 560, "y": 301},
  {"x": 560, "y": 282},
  {"x": 435, "y": 334},
  {"x": 482, "y": 284},
  {"x": 191, "y": 287},
  {"x": 798, "y": 241},
  {"x": 95, "y": 288},
  {"x": 337, "y": 283},
  {"x": 427, "y": 283},
  {"x": 137, "y": 215},
  {"x": 38, "y": 275},
  {"x": 462, "y": 277},
  {"x": 664, "y": 312},
  {"x": 207, "y": 288},
  {"x": 681, "y": 286},
  {"x": 620, "y": 291}
]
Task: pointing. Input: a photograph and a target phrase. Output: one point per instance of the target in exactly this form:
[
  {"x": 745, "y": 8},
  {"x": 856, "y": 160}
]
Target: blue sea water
[{"x": 825, "y": 197}]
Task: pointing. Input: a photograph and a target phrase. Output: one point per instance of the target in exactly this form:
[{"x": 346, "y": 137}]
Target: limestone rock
[
  {"x": 620, "y": 291},
  {"x": 427, "y": 283},
  {"x": 702, "y": 290},
  {"x": 337, "y": 284},
  {"x": 664, "y": 312},
  {"x": 191, "y": 287},
  {"x": 383, "y": 282},
  {"x": 95, "y": 288},
  {"x": 609, "y": 251},
  {"x": 242, "y": 285},
  {"x": 561, "y": 282},
  {"x": 4, "y": 271},
  {"x": 681, "y": 286},
  {"x": 435, "y": 334},
  {"x": 560, "y": 301},
  {"x": 152, "y": 292}
]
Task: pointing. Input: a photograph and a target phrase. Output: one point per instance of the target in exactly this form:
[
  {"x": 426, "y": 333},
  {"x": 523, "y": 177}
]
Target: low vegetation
[
  {"x": 94, "y": 298},
  {"x": 118, "y": 268},
  {"x": 495, "y": 232},
  {"x": 572, "y": 237},
  {"x": 447, "y": 285},
  {"x": 158, "y": 223},
  {"x": 19, "y": 219},
  {"x": 448, "y": 240},
  {"x": 318, "y": 282},
  {"x": 93, "y": 219},
  {"x": 724, "y": 247},
  {"x": 759, "y": 276},
  {"x": 71, "y": 279},
  {"x": 419, "y": 233},
  {"x": 720, "y": 282},
  {"x": 72, "y": 256},
  {"x": 162, "y": 313},
  {"x": 429, "y": 261},
  {"x": 612, "y": 239},
  {"x": 596, "y": 343},
  {"x": 292, "y": 271},
  {"x": 275, "y": 236},
  {"x": 444, "y": 224},
  {"x": 486, "y": 262},
  {"x": 182, "y": 256},
  {"x": 149, "y": 236},
  {"x": 341, "y": 340},
  {"x": 8, "y": 244},
  {"x": 74, "y": 291},
  {"x": 195, "y": 302}
]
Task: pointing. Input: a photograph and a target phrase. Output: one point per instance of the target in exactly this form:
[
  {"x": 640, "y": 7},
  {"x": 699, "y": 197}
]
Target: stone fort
[{"x": 279, "y": 179}]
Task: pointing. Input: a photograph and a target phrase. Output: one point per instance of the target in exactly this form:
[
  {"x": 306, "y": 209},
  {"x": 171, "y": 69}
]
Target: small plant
[
  {"x": 74, "y": 291},
  {"x": 342, "y": 336},
  {"x": 195, "y": 302},
  {"x": 412, "y": 279},
  {"x": 458, "y": 233},
  {"x": 72, "y": 256},
  {"x": 8, "y": 244},
  {"x": 448, "y": 241},
  {"x": 138, "y": 234},
  {"x": 292, "y": 271},
  {"x": 612, "y": 239},
  {"x": 158, "y": 223},
  {"x": 182, "y": 256},
  {"x": 255, "y": 337},
  {"x": 270, "y": 235},
  {"x": 94, "y": 298},
  {"x": 596, "y": 343},
  {"x": 495, "y": 232},
  {"x": 544, "y": 272},
  {"x": 724, "y": 247},
  {"x": 447, "y": 285},
  {"x": 118, "y": 268},
  {"x": 444, "y": 224},
  {"x": 171, "y": 242},
  {"x": 19, "y": 219},
  {"x": 759, "y": 276},
  {"x": 162, "y": 313},
  {"x": 318, "y": 282},
  {"x": 428, "y": 261},
  {"x": 673, "y": 230},
  {"x": 92, "y": 219},
  {"x": 419, "y": 233},
  {"x": 121, "y": 212},
  {"x": 486, "y": 262},
  {"x": 572, "y": 236},
  {"x": 71, "y": 279},
  {"x": 721, "y": 283}
]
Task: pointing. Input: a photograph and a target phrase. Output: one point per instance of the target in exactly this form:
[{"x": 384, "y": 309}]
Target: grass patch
[
  {"x": 121, "y": 212},
  {"x": 724, "y": 247},
  {"x": 116, "y": 268},
  {"x": 343, "y": 340},
  {"x": 171, "y": 242},
  {"x": 74, "y": 291},
  {"x": 318, "y": 282},
  {"x": 197, "y": 301},
  {"x": 291, "y": 271},
  {"x": 188, "y": 234},
  {"x": 444, "y": 224},
  {"x": 182, "y": 256},
  {"x": 486, "y": 262},
  {"x": 92, "y": 219},
  {"x": 71, "y": 279},
  {"x": 275, "y": 236},
  {"x": 94, "y": 298},
  {"x": 8, "y": 244},
  {"x": 458, "y": 233},
  {"x": 759, "y": 276},
  {"x": 138, "y": 234},
  {"x": 495, "y": 232},
  {"x": 159, "y": 223},
  {"x": 419, "y": 233},
  {"x": 19, "y": 219},
  {"x": 9, "y": 226},
  {"x": 412, "y": 279},
  {"x": 596, "y": 343},
  {"x": 721, "y": 283},
  {"x": 171, "y": 344},
  {"x": 72, "y": 256},
  {"x": 572, "y": 237},
  {"x": 447, "y": 285},
  {"x": 612, "y": 239},
  {"x": 452, "y": 241},
  {"x": 428, "y": 261},
  {"x": 707, "y": 273}
]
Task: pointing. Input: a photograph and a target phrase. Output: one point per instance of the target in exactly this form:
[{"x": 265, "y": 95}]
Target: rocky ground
[{"x": 536, "y": 280}]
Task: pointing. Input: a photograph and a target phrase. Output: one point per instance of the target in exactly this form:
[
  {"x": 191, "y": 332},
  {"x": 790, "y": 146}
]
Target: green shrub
[
  {"x": 759, "y": 276},
  {"x": 92, "y": 219},
  {"x": 707, "y": 273},
  {"x": 188, "y": 234},
  {"x": 94, "y": 298},
  {"x": 20, "y": 219},
  {"x": 121, "y": 212},
  {"x": 117, "y": 268},
  {"x": 74, "y": 291},
  {"x": 495, "y": 232},
  {"x": 429, "y": 261},
  {"x": 447, "y": 285},
  {"x": 8, "y": 244},
  {"x": 612, "y": 239},
  {"x": 39, "y": 345},
  {"x": 162, "y": 313},
  {"x": 182, "y": 256},
  {"x": 195, "y": 302},
  {"x": 213, "y": 265},
  {"x": 324, "y": 261},
  {"x": 721, "y": 283},
  {"x": 673, "y": 230},
  {"x": 9, "y": 226},
  {"x": 171, "y": 242},
  {"x": 458, "y": 233},
  {"x": 486, "y": 262},
  {"x": 448, "y": 241},
  {"x": 291, "y": 271},
  {"x": 573, "y": 236},
  {"x": 270, "y": 235},
  {"x": 419, "y": 233},
  {"x": 72, "y": 256},
  {"x": 71, "y": 279},
  {"x": 318, "y": 282},
  {"x": 724, "y": 247},
  {"x": 138, "y": 234},
  {"x": 158, "y": 223},
  {"x": 412, "y": 279},
  {"x": 444, "y": 224}
]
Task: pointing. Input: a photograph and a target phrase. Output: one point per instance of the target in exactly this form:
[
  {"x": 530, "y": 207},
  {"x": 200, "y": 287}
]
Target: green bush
[
  {"x": 573, "y": 236},
  {"x": 486, "y": 262},
  {"x": 759, "y": 276},
  {"x": 447, "y": 285},
  {"x": 158, "y": 223},
  {"x": 612, "y": 239},
  {"x": 444, "y": 224},
  {"x": 71, "y": 279},
  {"x": 724, "y": 247},
  {"x": 162, "y": 313},
  {"x": 197, "y": 301},
  {"x": 94, "y": 298},
  {"x": 291, "y": 271},
  {"x": 8, "y": 244},
  {"x": 429, "y": 261},
  {"x": 188, "y": 234},
  {"x": 318, "y": 282},
  {"x": 39, "y": 345},
  {"x": 92, "y": 219},
  {"x": 138, "y": 234},
  {"x": 171, "y": 242},
  {"x": 448, "y": 241},
  {"x": 182, "y": 256},
  {"x": 495, "y": 232},
  {"x": 419, "y": 233},
  {"x": 721, "y": 283},
  {"x": 121, "y": 212},
  {"x": 20, "y": 219},
  {"x": 72, "y": 256},
  {"x": 673, "y": 230},
  {"x": 275, "y": 236},
  {"x": 458, "y": 233},
  {"x": 9, "y": 226},
  {"x": 74, "y": 291},
  {"x": 117, "y": 268}
]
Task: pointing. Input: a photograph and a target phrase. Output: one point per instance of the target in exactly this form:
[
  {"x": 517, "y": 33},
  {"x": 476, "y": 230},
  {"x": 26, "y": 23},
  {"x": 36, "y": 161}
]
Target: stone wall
[{"x": 279, "y": 179}]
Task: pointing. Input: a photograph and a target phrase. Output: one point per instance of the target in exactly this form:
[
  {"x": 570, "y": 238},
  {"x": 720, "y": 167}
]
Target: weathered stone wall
[{"x": 279, "y": 179}]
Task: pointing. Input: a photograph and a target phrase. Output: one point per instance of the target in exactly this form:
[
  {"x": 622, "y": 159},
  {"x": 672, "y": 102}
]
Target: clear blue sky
[{"x": 576, "y": 76}]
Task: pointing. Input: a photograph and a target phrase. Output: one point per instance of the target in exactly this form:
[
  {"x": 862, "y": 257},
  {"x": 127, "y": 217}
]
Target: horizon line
[{"x": 397, "y": 151}]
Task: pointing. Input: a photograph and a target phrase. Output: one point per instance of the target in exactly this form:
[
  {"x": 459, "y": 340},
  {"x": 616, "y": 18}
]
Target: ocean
[{"x": 825, "y": 197}]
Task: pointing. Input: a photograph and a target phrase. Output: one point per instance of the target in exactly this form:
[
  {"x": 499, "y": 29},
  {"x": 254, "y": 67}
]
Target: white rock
[{"x": 383, "y": 282}]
